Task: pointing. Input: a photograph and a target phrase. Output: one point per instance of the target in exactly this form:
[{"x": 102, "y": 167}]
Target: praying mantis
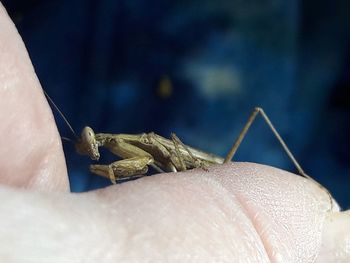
[{"x": 138, "y": 152}]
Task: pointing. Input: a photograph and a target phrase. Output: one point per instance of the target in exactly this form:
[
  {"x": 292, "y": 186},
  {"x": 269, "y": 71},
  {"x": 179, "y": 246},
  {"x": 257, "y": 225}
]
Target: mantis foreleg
[{"x": 125, "y": 168}]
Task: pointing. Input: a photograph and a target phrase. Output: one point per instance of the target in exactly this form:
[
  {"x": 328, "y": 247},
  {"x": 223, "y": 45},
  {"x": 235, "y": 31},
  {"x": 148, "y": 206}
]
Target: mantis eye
[{"x": 88, "y": 144}]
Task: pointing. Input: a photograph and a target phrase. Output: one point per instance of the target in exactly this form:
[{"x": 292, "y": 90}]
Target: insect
[{"x": 140, "y": 151}]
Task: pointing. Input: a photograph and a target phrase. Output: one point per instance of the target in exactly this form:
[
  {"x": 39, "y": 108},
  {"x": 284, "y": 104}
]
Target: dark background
[{"x": 197, "y": 68}]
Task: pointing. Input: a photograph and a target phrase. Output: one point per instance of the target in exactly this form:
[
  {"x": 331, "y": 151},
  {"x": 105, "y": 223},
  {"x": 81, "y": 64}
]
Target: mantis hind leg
[
  {"x": 244, "y": 131},
  {"x": 123, "y": 169}
]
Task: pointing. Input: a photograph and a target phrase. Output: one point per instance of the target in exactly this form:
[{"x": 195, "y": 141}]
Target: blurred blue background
[{"x": 197, "y": 68}]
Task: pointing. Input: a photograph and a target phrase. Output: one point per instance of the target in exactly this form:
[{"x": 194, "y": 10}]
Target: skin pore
[{"x": 238, "y": 212}]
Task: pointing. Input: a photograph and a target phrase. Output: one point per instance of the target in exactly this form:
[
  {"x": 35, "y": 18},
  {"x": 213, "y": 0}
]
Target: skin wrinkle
[
  {"x": 222, "y": 188},
  {"x": 266, "y": 184},
  {"x": 260, "y": 229},
  {"x": 291, "y": 212},
  {"x": 218, "y": 187},
  {"x": 256, "y": 225}
]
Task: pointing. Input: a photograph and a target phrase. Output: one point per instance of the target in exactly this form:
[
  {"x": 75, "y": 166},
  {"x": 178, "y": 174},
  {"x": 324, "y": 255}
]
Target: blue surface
[{"x": 104, "y": 63}]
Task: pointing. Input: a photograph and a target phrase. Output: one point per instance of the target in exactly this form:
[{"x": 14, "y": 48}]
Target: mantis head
[{"x": 87, "y": 144}]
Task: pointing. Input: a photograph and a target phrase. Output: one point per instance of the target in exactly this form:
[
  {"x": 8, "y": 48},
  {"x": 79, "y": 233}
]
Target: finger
[
  {"x": 31, "y": 153},
  {"x": 233, "y": 213},
  {"x": 241, "y": 210}
]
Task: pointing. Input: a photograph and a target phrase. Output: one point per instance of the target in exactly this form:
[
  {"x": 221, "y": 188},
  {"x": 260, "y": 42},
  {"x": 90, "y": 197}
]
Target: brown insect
[{"x": 140, "y": 151}]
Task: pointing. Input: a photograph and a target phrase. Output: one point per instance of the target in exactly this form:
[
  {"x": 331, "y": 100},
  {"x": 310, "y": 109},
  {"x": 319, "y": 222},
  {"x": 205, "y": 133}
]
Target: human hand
[{"x": 238, "y": 212}]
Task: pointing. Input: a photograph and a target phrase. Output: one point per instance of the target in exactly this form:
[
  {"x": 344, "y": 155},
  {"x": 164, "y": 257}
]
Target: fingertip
[{"x": 31, "y": 155}]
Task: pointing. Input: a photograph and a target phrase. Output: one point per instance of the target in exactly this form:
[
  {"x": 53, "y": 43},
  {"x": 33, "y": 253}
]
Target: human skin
[{"x": 238, "y": 212}]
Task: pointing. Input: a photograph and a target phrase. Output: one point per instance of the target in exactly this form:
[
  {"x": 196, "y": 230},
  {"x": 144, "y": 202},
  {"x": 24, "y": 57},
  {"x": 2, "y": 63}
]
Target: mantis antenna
[{"x": 63, "y": 117}]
